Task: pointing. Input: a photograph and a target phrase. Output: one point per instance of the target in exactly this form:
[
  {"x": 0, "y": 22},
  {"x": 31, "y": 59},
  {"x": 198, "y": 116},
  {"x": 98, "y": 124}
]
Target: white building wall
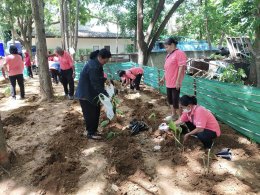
[{"x": 89, "y": 43}]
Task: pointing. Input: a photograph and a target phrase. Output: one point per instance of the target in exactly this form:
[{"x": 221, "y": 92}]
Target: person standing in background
[
  {"x": 14, "y": 66},
  {"x": 175, "y": 66},
  {"x": 28, "y": 64},
  {"x": 67, "y": 71}
]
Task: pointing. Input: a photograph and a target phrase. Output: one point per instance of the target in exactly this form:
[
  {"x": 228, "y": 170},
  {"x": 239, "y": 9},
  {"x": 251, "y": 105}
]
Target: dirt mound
[
  {"x": 18, "y": 116},
  {"x": 124, "y": 156},
  {"x": 14, "y": 120},
  {"x": 179, "y": 159},
  {"x": 61, "y": 171},
  {"x": 145, "y": 112}
]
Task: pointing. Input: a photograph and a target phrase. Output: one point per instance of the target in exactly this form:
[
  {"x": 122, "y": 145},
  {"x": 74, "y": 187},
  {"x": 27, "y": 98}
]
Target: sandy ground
[{"x": 53, "y": 157}]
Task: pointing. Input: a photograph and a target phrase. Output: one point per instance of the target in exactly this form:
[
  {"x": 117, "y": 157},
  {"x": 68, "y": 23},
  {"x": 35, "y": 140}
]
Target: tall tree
[
  {"x": 17, "y": 17},
  {"x": 74, "y": 11},
  {"x": 255, "y": 65},
  {"x": 145, "y": 42},
  {"x": 45, "y": 80}
]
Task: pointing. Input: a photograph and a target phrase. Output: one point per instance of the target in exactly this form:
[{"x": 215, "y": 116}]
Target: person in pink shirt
[
  {"x": 67, "y": 71},
  {"x": 132, "y": 76},
  {"x": 200, "y": 121},
  {"x": 28, "y": 64},
  {"x": 14, "y": 66},
  {"x": 175, "y": 66}
]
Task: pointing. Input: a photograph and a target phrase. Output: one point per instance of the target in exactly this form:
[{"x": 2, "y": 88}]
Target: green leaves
[
  {"x": 234, "y": 17},
  {"x": 231, "y": 75},
  {"x": 104, "y": 123}
]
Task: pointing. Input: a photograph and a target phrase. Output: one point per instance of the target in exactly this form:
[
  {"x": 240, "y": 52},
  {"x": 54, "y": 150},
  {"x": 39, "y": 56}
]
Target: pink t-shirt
[
  {"x": 132, "y": 73},
  {"x": 172, "y": 63},
  {"x": 202, "y": 118},
  {"x": 66, "y": 61},
  {"x": 15, "y": 64}
]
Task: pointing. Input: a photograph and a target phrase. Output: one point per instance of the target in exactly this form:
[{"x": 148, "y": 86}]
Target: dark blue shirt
[{"x": 91, "y": 82}]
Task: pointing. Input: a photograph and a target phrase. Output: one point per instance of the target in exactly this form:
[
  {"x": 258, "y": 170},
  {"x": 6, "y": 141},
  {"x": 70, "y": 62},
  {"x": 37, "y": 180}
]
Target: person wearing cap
[
  {"x": 14, "y": 66},
  {"x": 131, "y": 76},
  {"x": 175, "y": 66},
  {"x": 200, "y": 121},
  {"x": 67, "y": 71}
]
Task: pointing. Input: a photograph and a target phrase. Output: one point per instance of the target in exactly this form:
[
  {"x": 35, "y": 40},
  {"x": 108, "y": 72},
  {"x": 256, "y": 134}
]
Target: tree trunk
[
  {"x": 145, "y": 48},
  {"x": 207, "y": 24},
  {"x": 254, "y": 76},
  {"x": 4, "y": 160},
  {"x": 62, "y": 24},
  {"x": 44, "y": 76},
  {"x": 141, "y": 45},
  {"x": 257, "y": 48},
  {"x": 76, "y": 28},
  {"x": 66, "y": 24}
]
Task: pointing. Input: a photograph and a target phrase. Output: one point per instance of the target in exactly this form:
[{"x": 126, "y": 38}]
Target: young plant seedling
[
  {"x": 152, "y": 116},
  {"x": 111, "y": 135},
  {"x": 176, "y": 132},
  {"x": 119, "y": 112},
  {"x": 206, "y": 160},
  {"x": 104, "y": 123}
]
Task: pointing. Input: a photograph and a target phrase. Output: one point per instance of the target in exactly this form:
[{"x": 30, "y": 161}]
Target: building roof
[{"x": 86, "y": 34}]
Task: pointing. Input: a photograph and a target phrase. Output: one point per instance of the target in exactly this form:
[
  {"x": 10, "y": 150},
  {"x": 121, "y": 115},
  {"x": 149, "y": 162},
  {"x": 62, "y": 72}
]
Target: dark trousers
[
  {"x": 91, "y": 113},
  {"x": 55, "y": 75},
  {"x": 206, "y": 137},
  {"x": 136, "y": 82},
  {"x": 173, "y": 96},
  {"x": 20, "y": 81},
  {"x": 67, "y": 79},
  {"x": 29, "y": 70}
]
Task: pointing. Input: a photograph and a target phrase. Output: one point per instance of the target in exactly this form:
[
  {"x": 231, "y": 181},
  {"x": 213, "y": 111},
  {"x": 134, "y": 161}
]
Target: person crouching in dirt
[
  {"x": 131, "y": 76},
  {"x": 91, "y": 84},
  {"x": 200, "y": 121}
]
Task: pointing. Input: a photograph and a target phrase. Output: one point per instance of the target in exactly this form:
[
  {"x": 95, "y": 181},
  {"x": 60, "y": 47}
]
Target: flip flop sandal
[{"x": 94, "y": 137}]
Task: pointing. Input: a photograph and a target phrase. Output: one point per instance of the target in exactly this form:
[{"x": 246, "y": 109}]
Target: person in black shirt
[{"x": 91, "y": 84}]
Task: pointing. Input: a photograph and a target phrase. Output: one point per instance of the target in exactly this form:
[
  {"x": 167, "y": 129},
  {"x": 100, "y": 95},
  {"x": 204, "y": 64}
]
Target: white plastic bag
[
  {"x": 164, "y": 127},
  {"x": 108, "y": 105},
  {"x": 110, "y": 90}
]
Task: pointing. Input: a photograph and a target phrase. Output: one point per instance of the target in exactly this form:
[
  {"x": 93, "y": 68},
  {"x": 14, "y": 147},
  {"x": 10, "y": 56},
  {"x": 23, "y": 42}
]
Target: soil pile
[
  {"x": 60, "y": 173},
  {"x": 124, "y": 156}
]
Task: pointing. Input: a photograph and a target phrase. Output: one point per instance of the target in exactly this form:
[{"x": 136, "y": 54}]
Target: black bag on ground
[{"x": 137, "y": 126}]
